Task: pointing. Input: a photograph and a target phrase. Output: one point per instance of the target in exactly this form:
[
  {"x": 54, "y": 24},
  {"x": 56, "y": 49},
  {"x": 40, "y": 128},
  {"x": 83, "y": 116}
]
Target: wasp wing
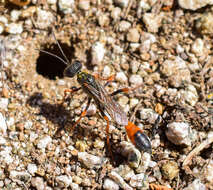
[{"x": 107, "y": 104}]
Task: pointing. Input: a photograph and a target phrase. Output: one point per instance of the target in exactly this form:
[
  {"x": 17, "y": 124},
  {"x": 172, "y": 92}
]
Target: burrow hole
[{"x": 51, "y": 67}]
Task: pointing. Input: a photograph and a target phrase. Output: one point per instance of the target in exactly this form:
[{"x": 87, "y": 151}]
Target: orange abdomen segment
[{"x": 138, "y": 138}]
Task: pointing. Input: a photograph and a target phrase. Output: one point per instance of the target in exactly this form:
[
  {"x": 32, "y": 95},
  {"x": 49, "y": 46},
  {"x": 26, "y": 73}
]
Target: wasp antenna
[
  {"x": 43, "y": 51},
  {"x": 60, "y": 48}
]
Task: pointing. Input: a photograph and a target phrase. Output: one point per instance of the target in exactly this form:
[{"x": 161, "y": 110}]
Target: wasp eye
[{"x": 73, "y": 69}]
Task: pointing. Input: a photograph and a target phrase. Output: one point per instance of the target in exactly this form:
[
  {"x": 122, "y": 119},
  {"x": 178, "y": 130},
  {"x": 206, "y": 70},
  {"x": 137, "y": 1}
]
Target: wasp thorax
[{"x": 72, "y": 69}]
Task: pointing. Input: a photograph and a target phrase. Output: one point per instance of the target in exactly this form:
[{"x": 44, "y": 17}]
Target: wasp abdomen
[
  {"x": 142, "y": 142},
  {"x": 138, "y": 138}
]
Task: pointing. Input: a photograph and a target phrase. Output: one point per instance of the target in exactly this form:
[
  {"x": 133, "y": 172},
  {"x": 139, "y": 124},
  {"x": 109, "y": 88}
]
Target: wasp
[{"x": 107, "y": 106}]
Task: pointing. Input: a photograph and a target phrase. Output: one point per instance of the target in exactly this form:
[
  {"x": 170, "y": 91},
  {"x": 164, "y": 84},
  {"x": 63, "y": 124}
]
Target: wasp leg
[
  {"x": 124, "y": 90},
  {"x": 107, "y": 133},
  {"x": 109, "y": 79},
  {"x": 138, "y": 138},
  {"x": 71, "y": 90},
  {"x": 83, "y": 113}
]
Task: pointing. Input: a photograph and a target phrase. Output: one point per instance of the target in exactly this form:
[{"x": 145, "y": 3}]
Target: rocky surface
[{"x": 163, "y": 48}]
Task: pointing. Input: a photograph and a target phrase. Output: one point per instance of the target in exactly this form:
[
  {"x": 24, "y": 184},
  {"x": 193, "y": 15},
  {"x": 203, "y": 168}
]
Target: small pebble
[
  {"x": 110, "y": 185},
  {"x": 97, "y": 53},
  {"x": 106, "y": 72},
  {"x": 119, "y": 180},
  {"x": 44, "y": 18},
  {"x": 3, "y": 125},
  {"x": 133, "y": 102},
  {"x": 138, "y": 180},
  {"x": 42, "y": 143},
  {"x": 198, "y": 47},
  {"x": 14, "y": 28},
  {"x": 208, "y": 172},
  {"x": 205, "y": 24},
  {"x": 179, "y": 133},
  {"x": 170, "y": 170},
  {"x": 149, "y": 115},
  {"x": 135, "y": 80},
  {"x": 89, "y": 160},
  {"x": 194, "y": 4},
  {"x": 115, "y": 14},
  {"x": 121, "y": 77},
  {"x": 122, "y": 3},
  {"x": 133, "y": 35},
  {"x": 23, "y": 176},
  {"x": 38, "y": 183},
  {"x": 91, "y": 110},
  {"x": 52, "y": 2},
  {"x": 124, "y": 26},
  {"x": 4, "y": 103},
  {"x": 152, "y": 21},
  {"x": 132, "y": 154},
  {"x": 190, "y": 95},
  {"x": 103, "y": 20},
  {"x": 63, "y": 181},
  {"x": 84, "y": 5},
  {"x": 66, "y": 6},
  {"x": 1, "y": 28},
  {"x": 195, "y": 185},
  {"x": 74, "y": 186},
  {"x": 32, "y": 168},
  {"x": 14, "y": 15}
]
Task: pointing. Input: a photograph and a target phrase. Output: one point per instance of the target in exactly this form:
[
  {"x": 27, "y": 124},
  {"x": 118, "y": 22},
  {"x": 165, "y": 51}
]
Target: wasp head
[{"x": 72, "y": 69}]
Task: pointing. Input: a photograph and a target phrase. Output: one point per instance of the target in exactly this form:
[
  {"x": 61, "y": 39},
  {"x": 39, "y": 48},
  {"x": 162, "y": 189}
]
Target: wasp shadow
[{"x": 56, "y": 113}]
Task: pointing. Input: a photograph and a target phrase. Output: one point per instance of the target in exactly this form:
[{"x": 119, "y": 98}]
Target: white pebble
[
  {"x": 4, "y": 103},
  {"x": 152, "y": 21},
  {"x": 14, "y": 15},
  {"x": 32, "y": 168},
  {"x": 194, "y": 4},
  {"x": 121, "y": 77},
  {"x": 51, "y": 2},
  {"x": 124, "y": 26},
  {"x": 133, "y": 102},
  {"x": 16, "y": 175},
  {"x": 136, "y": 80},
  {"x": 91, "y": 110},
  {"x": 64, "y": 181},
  {"x": 3, "y": 125},
  {"x": 133, "y": 35},
  {"x": 149, "y": 115},
  {"x": 115, "y": 14},
  {"x": 90, "y": 160},
  {"x": 14, "y": 28},
  {"x": 74, "y": 186},
  {"x": 195, "y": 185},
  {"x": 189, "y": 95},
  {"x": 66, "y": 6},
  {"x": 1, "y": 28},
  {"x": 106, "y": 72},
  {"x": 44, "y": 18},
  {"x": 2, "y": 140},
  {"x": 110, "y": 185},
  {"x": 119, "y": 180},
  {"x": 138, "y": 180},
  {"x": 178, "y": 133},
  {"x": 42, "y": 143},
  {"x": 97, "y": 52},
  {"x": 208, "y": 173},
  {"x": 3, "y": 20},
  {"x": 198, "y": 47},
  {"x": 5, "y": 155},
  {"x": 84, "y": 4},
  {"x": 38, "y": 183}
]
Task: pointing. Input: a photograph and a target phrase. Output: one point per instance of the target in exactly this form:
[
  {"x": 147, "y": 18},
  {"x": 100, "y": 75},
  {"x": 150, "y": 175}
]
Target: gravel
[{"x": 164, "y": 46}]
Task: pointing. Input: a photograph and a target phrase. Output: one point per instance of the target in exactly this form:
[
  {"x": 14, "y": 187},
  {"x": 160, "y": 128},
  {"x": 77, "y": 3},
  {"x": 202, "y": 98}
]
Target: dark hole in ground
[{"x": 51, "y": 67}]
